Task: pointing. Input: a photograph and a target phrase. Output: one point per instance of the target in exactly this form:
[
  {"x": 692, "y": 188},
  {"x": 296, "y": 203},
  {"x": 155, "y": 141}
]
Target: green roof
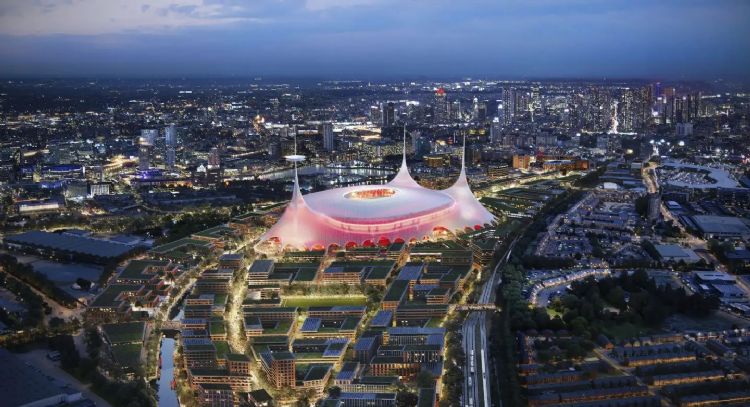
[
  {"x": 128, "y": 355},
  {"x": 271, "y": 340},
  {"x": 222, "y": 348},
  {"x": 378, "y": 273},
  {"x": 136, "y": 268},
  {"x": 185, "y": 242},
  {"x": 215, "y": 232},
  {"x": 220, "y": 299},
  {"x": 282, "y": 355},
  {"x": 396, "y": 291},
  {"x": 350, "y": 323},
  {"x": 264, "y": 310},
  {"x": 306, "y": 274},
  {"x": 107, "y": 297},
  {"x": 238, "y": 357},
  {"x": 217, "y": 327},
  {"x": 125, "y": 332},
  {"x": 281, "y": 327},
  {"x": 317, "y": 372}
]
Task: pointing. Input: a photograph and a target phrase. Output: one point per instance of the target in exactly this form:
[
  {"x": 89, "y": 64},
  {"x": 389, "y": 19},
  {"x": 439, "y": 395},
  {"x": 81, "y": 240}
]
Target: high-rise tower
[
  {"x": 170, "y": 142},
  {"x": 145, "y": 147},
  {"x": 329, "y": 140},
  {"x": 441, "y": 106}
]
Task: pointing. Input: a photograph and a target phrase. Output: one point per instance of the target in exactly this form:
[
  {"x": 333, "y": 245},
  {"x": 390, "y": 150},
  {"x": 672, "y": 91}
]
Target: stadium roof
[{"x": 398, "y": 211}]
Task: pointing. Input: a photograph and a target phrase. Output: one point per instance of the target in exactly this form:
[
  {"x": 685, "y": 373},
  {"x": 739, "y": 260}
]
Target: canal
[{"x": 167, "y": 396}]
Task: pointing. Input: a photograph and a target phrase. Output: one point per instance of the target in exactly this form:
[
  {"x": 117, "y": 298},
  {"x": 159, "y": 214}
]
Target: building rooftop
[
  {"x": 21, "y": 384},
  {"x": 382, "y": 319},
  {"x": 71, "y": 243},
  {"x": 721, "y": 225},
  {"x": 263, "y": 266}
]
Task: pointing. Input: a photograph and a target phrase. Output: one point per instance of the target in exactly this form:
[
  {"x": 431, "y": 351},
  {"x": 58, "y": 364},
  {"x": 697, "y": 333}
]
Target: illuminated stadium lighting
[{"x": 400, "y": 211}]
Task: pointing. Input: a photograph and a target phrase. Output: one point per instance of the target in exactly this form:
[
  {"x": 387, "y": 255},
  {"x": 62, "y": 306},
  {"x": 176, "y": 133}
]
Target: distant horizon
[
  {"x": 354, "y": 79},
  {"x": 376, "y": 39}
]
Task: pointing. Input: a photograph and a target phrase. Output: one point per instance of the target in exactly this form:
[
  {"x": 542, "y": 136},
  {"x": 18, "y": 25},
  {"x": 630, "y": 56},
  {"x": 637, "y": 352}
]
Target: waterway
[
  {"x": 324, "y": 170},
  {"x": 167, "y": 396}
]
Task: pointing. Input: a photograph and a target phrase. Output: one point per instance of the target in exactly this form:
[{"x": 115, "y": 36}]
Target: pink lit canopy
[{"x": 400, "y": 210}]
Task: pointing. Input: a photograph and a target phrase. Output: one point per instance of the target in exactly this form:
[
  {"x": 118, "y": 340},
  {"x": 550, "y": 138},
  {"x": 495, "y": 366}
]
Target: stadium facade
[{"x": 398, "y": 211}]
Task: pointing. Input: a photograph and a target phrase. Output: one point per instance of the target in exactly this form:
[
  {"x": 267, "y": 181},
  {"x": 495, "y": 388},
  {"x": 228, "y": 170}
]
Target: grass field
[
  {"x": 309, "y": 301},
  {"x": 626, "y": 331}
]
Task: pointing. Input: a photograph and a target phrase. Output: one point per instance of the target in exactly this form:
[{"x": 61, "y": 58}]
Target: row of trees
[
  {"x": 119, "y": 393},
  {"x": 455, "y": 358},
  {"x": 587, "y": 309},
  {"x": 36, "y": 308},
  {"x": 26, "y": 273},
  {"x": 191, "y": 223},
  {"x": 512, "y": 307}
]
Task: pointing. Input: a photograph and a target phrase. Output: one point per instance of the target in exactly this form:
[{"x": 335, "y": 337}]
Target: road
[{"x": 475, "y": 332}]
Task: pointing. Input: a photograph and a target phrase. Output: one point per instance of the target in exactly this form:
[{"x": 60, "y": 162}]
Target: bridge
[
  {"x": 476, "y": 307},
  {"x": 171, "y": 326}
]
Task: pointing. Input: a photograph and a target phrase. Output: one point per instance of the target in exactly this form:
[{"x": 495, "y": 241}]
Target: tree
[
  {"x": 616, "y": 297},
  {"x": 579, "y": 326},
  {"x": 334, "y": 392},
  {"x": 406, "y": 399},
  {"x": 83, "y": 283},
  {"x": 93, "y": 343},
  {"x": 641, "y": 205}
]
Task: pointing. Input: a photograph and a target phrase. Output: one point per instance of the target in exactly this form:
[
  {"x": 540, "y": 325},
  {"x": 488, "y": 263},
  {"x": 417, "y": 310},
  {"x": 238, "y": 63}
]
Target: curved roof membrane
[{"x": 399, "y": 210}]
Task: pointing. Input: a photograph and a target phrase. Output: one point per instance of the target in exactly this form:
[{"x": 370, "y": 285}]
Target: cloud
[
  {"x": 96, "y": 17},
  {"x": 318, "y": 5}
]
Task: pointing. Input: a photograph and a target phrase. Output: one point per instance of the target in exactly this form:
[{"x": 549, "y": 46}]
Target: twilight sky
[{"x": 372, "y": 39}]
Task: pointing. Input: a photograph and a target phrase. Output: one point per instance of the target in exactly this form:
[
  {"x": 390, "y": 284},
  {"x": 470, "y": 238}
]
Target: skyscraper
[
  {"x": 496, "y": 130},
  {"x": 376, "y": 115},
  {"x": 329, "y": 140},
  {"x": 509, "y": 105},
  {"x": 482, "y": 112},
  {"x": 214, "y": 158},
  {"x": 536, "y": 100},
  {"x": 500, "y": 112},
  {"x": 170, "y": 142},
  {"x": 455, "y": 111},
  {"x": 145, "y": 146},
  {"x": 441, "y": 106},
  {"x": 389, "y": 114}
]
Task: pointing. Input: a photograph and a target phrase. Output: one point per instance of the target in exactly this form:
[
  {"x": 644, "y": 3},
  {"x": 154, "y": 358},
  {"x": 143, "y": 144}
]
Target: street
[{"x": 476, "y": 370}]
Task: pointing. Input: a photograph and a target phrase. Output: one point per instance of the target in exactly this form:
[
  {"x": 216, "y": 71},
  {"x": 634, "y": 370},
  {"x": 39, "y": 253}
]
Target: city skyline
[
  {"x": 380, "y": 203},
  {"x": 372, "y": 39}
]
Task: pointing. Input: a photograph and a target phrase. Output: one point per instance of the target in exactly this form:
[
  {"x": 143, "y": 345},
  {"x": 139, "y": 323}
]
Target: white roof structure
[{"x": 400, "y": 210}]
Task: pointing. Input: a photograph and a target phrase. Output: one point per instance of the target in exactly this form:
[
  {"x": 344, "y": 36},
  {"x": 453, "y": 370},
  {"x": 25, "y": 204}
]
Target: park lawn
[
  {"x": 314, "y": 301},
  {"x": 626, "y": 331}
]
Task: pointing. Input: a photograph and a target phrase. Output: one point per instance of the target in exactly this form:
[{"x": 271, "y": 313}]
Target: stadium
[{"x": 398, "y": 211}]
